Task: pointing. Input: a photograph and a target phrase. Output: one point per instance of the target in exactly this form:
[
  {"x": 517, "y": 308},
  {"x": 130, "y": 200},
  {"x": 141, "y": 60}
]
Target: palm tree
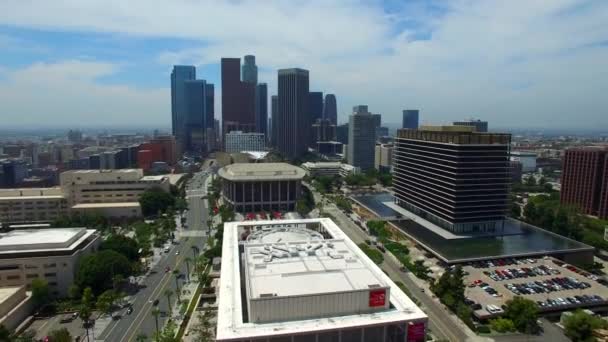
[
  {"x": 156, "y": 313},
  {"x": 169, "y": 293},
  {"x": 176, "y": 275},
  {"x": 195, "y": 251},
  {"x": 141, "y": 337},
  {"x": 86, "y": 309},
  {"x": 188, "y": 260}
]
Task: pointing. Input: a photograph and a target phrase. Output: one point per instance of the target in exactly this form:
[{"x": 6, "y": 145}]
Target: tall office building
[
  {"x": 585, "y": 180},
  {"x": 315, "y": 105},
  {"x": 410, "y": 118},
  {"x": 377, "y": 120},
  {"x": 274, "y": 107},
  {"x": 330, "y": 109},
  {"x": 238, "y": 98},
  {"x": 250, "y": 70},
  {"x": 342, "y": 133},
  {"x": 464, "y": 188},
  {"x": 480, "y": 126},
  {"x": 293, "y": 124},
  {"x": 198, "y": 119},
  {"x": 179, "y": 75},
  {"x": 261, "y": 108},
  {"x": 361, "y": 139}
]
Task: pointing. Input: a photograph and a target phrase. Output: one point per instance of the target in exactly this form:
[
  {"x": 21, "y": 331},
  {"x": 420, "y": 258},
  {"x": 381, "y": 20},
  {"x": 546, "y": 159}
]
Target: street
[
  {"x": 440, "y": 322},
  {"x": 141, "y": 321}
]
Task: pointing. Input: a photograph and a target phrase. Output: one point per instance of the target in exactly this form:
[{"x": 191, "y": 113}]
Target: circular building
[{"x": 261, "y": 186}]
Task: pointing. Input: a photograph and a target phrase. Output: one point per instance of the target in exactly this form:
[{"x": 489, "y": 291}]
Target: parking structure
[{"x": 551, "y": 283}]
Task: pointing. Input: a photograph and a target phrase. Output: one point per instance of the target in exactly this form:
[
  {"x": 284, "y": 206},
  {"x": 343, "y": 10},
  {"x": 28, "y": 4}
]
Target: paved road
[
  {"x": 440, "y": 323},
  {"x": 141, "y": 320}
]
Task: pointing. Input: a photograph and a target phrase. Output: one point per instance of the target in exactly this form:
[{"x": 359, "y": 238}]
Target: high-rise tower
[
  {"x": 179, "y": 75},
  {"x": 361, "y": 138},
  {"x": 330, "y": 109},
  {"x": 293, "y": 124},
  {"x": 238, "y": 98},
  {"x": 410, "y": 118},
  {"x": 250, "y": 70}
]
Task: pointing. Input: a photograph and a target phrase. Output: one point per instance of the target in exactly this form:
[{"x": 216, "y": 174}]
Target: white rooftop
[
  {"x": 295, "y": 270},
  {"x": 327, "y": 270},
  {"x": 49, "y": 239},
  {"x": 261, "y": 171},
  {"x": 106, "y": 205}
]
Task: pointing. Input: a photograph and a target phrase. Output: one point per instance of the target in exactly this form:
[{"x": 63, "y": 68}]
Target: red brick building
[
  {"x": 585, "y": 180},
  {"x": 161, "y": 148}
]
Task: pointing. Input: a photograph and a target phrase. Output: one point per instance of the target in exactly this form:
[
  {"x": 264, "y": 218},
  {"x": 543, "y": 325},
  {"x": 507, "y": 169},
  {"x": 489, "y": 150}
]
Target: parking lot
[{"x": 552, "y": 284}]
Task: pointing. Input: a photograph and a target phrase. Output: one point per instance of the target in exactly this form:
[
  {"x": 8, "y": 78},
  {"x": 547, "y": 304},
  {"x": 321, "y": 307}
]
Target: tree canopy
[
  {"x": 154, "y": 201},
  {"x": 580, "y": 326},
  {"x": 97, "y": 270},
  {"x": 524, "y": 314},
  {"x": 123, "y": 245},
  {"x": 40, "y": 291}
]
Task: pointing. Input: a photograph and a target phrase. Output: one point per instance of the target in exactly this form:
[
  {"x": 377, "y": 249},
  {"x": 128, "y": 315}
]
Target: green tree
[
  {"x": 105, "y": 301},
  {"x": 74, "y": 292},
  {"x": 61, "y": 335},
  {"x": 155, "y": 313},
  {"x": 515, "y": 210},
  {"x": 141, "y": 337},
  {"x": 155, "y": 201},
  {"x": 580, "y": 326},
  {"x": 169, "y": 293},
  {"x": 123, "y": 245},
  {"x": 97, "y": 270},
  {"x": 502, "y": 325},
  {"x": 86, "y": 308},
  {"x": 560, "y": 222},
  {"x": 5, "y": 334},
  {"x": 302, "y": 208},
  {"x": 378, "y": 228},
  {"x": 40, "y": 292},
  {"x": 524, "y": 314},
  {"x": 530, "y": 212},
  {"x": 530, "y": 181},
  {"x": 188, "y": 260},
  {"x": 176, "y": 275}
]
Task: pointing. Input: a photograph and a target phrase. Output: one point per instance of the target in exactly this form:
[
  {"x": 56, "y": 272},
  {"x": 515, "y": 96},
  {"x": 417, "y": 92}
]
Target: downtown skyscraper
[
  {"x": 293, "y": 124},
  {"x": 410, "y": 118},
  {"x": 179, "y": 75},
  {"x": 361, "y": 138},
  {"x": 238, "y": 98},
  {"x": 330, "y": 109}
]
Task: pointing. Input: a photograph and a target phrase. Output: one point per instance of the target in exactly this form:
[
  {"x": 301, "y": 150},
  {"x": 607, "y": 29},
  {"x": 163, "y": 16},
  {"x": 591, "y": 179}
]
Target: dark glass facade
[
  {"x": 179, "y": 75},
  {"x": 457, "y": 180},
  {"x": 261, "y": 112},
  {"x": 293, "y": 122},
  {"x": 238, "y": 98},
  {"x": 410, "y": 118},
  {"x": 330, "y": 108}
]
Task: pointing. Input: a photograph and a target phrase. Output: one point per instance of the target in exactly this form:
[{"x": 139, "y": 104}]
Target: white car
[{"x": 177, "y": 253}]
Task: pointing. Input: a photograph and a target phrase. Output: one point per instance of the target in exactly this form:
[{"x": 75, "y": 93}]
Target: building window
[
  {"x": 30, "y": 276},
  {"x": 31, "y": 266},
  {"x": 50, "y": 265},
  {"x": 52, "y": 274},
  {"x": 53, "y": 283},
  {"x": 13, "y": 277}
]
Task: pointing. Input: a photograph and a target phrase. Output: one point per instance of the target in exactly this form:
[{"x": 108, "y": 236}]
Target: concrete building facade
[
  {"x": 261, "y": 186},
  {"x": 306, "y": 281},
  {"x": 52, "y": 254},
  {"x": 237, "y": 141},
  {"x": 384, "y": 157},
  {"x": 32, "y": 205},
  {"x": 362, "y": 138},
  {"x": 480, "y": 126}
]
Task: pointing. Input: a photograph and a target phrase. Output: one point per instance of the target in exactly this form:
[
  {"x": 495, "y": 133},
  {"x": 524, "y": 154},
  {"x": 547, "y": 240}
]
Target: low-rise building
[
  {"x": 261, "y": 186},
  {"x": 15, "y": 306},
  {"x": 237, "y": 141},
  {"x": 305, "y": 280},
  {"x": 32, "y": 205},
  {"x": 329, "y": 169},
  {"x": 384, "y": 157},
  {"x": 52, "y": 254},
  {"x": 527, "y": 160},
  {"x": 108, "y": 186}
]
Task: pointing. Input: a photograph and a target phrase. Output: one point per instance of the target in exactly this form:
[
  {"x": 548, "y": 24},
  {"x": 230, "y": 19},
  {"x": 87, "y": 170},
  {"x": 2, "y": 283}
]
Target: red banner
[
  {"x": 377, "y": 298},
  {"x": 415, "y": 332}
]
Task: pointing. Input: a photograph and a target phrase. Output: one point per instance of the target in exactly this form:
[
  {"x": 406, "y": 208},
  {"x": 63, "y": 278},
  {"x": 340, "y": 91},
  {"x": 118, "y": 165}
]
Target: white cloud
[
  {"x": 517, "y": 63},
  {"x": 69, "y": 93}
]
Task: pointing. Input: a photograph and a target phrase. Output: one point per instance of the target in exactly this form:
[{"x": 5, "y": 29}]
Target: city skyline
[{"x": 524, "y": 65}]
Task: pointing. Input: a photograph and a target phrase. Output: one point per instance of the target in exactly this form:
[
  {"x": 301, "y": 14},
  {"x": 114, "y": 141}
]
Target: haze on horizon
[{"x": 536, "y": 63}]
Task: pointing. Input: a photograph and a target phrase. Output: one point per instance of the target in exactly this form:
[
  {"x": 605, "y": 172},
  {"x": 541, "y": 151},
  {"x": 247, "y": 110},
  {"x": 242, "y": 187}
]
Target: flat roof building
[
  {"x": 238, "y": 141},
  {"x": 305, "y": 280},
  {"x": 261, "y": 186},
  {"x": 585, "y": 180},
  {"x": 52, "y": 254},
  {"x": 453, "y": 176},
  {"x": 316, "y": 169},
  {"x": 32, "y": 205}
]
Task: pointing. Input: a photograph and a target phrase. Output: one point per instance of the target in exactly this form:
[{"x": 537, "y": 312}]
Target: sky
[{"x": 517, "y": 63}]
